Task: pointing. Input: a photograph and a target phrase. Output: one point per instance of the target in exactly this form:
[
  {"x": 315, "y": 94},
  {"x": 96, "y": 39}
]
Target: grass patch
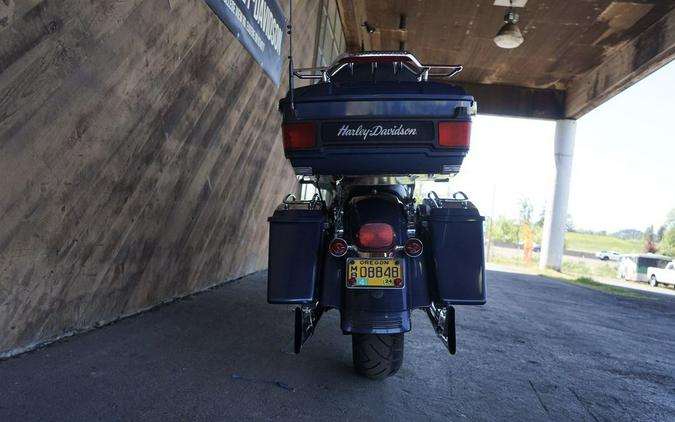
[
  {"x": 581, "y": 268},
  {"x": 575, "y": 272},
  {"x": 513, "y": 261},
  {"x": 592, "y": 284},
  {"x": 593, "y": 243},
  {"x": 570, "y": 265}
]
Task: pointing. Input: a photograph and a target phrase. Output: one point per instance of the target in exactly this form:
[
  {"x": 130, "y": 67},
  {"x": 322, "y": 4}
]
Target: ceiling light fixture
[{"x": 509, "y": 35}]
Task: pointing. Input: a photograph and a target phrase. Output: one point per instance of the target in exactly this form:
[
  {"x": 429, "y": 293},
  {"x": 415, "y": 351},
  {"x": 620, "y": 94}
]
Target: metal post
[
  {"x": 488, "y": 255},
  {"x": 553, "y": 242},
  {"x": 291, "y": 88}
]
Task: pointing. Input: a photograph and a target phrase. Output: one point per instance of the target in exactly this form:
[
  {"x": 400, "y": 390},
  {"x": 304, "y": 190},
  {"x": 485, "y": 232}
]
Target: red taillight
[
  {"x": 299, "y": 135},
  {"x": 413, "y": 247},
  {"x": 338, "y": 247},
  {"x": 376, "y": 235},
  {"x": 454, "y": 134}
]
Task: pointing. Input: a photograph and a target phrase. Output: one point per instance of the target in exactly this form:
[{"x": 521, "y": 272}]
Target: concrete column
[{"x": 553, "y": 241}]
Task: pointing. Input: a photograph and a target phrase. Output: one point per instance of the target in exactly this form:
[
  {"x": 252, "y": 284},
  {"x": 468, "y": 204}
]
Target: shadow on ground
[{"x": 540, "y": 350}]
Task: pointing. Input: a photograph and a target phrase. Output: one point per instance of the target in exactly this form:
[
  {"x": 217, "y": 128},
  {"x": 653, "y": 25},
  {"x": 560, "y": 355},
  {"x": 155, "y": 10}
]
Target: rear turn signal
[
  {"x": 338, "y": 247},
  {"x": 413, "y": 247},
  {"x": 454, "y": 134},
  {"x": 299, "y": 135},
  {"x": 376, "y": 235}
]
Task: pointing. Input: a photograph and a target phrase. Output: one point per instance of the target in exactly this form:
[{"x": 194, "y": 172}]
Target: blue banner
[{"x": 260, "y": 25}]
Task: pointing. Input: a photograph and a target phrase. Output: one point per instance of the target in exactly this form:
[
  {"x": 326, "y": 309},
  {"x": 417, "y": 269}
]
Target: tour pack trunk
[{"x": 396, "y": 128}]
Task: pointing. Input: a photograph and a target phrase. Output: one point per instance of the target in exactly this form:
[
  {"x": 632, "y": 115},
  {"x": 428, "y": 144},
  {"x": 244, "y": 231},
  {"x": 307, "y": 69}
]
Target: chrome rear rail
[{"x": 400, "y": 59}]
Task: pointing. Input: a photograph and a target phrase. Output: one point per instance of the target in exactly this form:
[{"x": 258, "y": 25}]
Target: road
[{"x": 540, "y": 350}]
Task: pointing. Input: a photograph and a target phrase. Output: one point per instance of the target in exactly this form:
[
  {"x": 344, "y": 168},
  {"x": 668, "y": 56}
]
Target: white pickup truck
[
  {"x": 662, "y": 275},
  {"x": 608, "y": 256}
]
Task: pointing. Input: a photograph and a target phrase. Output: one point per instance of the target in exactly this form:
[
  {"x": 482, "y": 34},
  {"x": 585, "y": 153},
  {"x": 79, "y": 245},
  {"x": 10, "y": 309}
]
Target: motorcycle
[{"x": 373, "y": 126}]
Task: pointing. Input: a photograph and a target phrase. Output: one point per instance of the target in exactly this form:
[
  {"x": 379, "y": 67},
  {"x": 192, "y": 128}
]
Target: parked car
[
  {"x": 662, "y": 275},
  {"x": 536, "y": 247},
  {"x": 608, "y": 256},
  {"x": 635, "y": 266}
]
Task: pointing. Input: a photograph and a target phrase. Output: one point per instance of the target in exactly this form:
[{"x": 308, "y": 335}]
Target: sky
[{"x": 623, "y": 173}]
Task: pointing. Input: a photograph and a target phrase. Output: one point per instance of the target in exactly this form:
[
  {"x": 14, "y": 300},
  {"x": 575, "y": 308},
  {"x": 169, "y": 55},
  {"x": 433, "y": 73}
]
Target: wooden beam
[
  {"x": 649, "y": 51},
  {"x": 514, "y": 101},
  {"x": 351, "y": 26}
]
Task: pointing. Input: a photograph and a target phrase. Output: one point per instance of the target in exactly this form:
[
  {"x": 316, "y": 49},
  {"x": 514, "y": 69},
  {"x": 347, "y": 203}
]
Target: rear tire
[
  {"x": 377, "y": 356},
  {"x": 653, "y": 282}
]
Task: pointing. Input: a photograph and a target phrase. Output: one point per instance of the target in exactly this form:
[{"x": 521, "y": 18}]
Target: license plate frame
[{"x": 384, "y": 282}]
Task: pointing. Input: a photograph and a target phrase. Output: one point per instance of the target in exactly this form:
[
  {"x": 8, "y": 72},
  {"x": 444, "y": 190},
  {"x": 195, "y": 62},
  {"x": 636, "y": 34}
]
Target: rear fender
[{"x": 375, "y": 310}]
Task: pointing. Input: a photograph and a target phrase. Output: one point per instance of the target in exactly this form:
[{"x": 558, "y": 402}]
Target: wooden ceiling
[{"x": 577, "y": 53}]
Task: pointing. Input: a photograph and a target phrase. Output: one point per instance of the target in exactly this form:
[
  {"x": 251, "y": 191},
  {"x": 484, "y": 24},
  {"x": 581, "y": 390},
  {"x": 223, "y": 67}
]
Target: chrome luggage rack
[
  {"x": 290, "y": 201},
  {"x": 400, "y": 59},
  {"x": 459, "y": 200}
]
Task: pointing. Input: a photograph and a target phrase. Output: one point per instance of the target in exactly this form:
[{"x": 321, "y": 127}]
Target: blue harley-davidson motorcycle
[{"x": 372, "y": 126}]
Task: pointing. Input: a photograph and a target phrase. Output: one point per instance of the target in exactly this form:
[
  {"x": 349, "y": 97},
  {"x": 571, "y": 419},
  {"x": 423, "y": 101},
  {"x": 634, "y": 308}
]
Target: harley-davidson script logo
[
  {"x": 375, "y": 131},
  {"x": 380, "y": 132}
]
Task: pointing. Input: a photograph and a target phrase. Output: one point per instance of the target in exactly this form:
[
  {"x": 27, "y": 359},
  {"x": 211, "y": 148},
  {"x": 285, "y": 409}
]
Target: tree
[
  {"x": 505, "y": 230},
  {"x": 668, "y": 242},
  {"x": 660, "y": 233},
  {"x": 569, "y": 223},
  {"x": 649, "y": 234},
  {"x": 526, "y": 211},
  {"x": 540, "y": 221},
  {"x": 670, "y": 219}
]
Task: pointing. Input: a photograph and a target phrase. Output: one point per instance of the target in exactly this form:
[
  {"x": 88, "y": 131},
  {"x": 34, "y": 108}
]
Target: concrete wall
[{"x": 140, "y": 156}]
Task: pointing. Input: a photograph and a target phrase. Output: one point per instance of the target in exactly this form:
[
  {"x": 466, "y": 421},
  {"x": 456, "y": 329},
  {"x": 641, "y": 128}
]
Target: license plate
[{"x": 374, "y": 273}]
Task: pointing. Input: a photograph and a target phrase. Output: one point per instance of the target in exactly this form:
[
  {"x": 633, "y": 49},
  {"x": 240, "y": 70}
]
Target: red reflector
[
  {"x": 299, "y": 135},
  {"x": 454, "y": 134},
  {"x": 376, "y": 235},
  {"x": 413, "y": 247},
  {"x": 338, "y": 247}
]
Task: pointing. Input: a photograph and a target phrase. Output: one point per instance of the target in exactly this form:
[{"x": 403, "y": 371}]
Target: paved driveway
[{"x": 540, "y": 350}]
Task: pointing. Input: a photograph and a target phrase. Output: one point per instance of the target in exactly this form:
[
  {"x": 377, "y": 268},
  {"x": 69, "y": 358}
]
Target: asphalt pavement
[{"x": 540, "y": 350}]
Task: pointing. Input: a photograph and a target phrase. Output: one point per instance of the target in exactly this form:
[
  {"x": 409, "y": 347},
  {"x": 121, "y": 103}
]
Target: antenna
[{"x": 290, "y": 54}]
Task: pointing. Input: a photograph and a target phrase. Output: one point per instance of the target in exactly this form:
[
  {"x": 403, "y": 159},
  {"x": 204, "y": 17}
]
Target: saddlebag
[
  {"x": 454, "y": 232},
  {"x": 295, "y": 244}
]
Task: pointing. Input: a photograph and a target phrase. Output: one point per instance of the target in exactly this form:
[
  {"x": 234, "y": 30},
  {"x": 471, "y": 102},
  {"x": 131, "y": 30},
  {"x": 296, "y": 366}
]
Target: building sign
[{"x": 260, "y": 25}]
